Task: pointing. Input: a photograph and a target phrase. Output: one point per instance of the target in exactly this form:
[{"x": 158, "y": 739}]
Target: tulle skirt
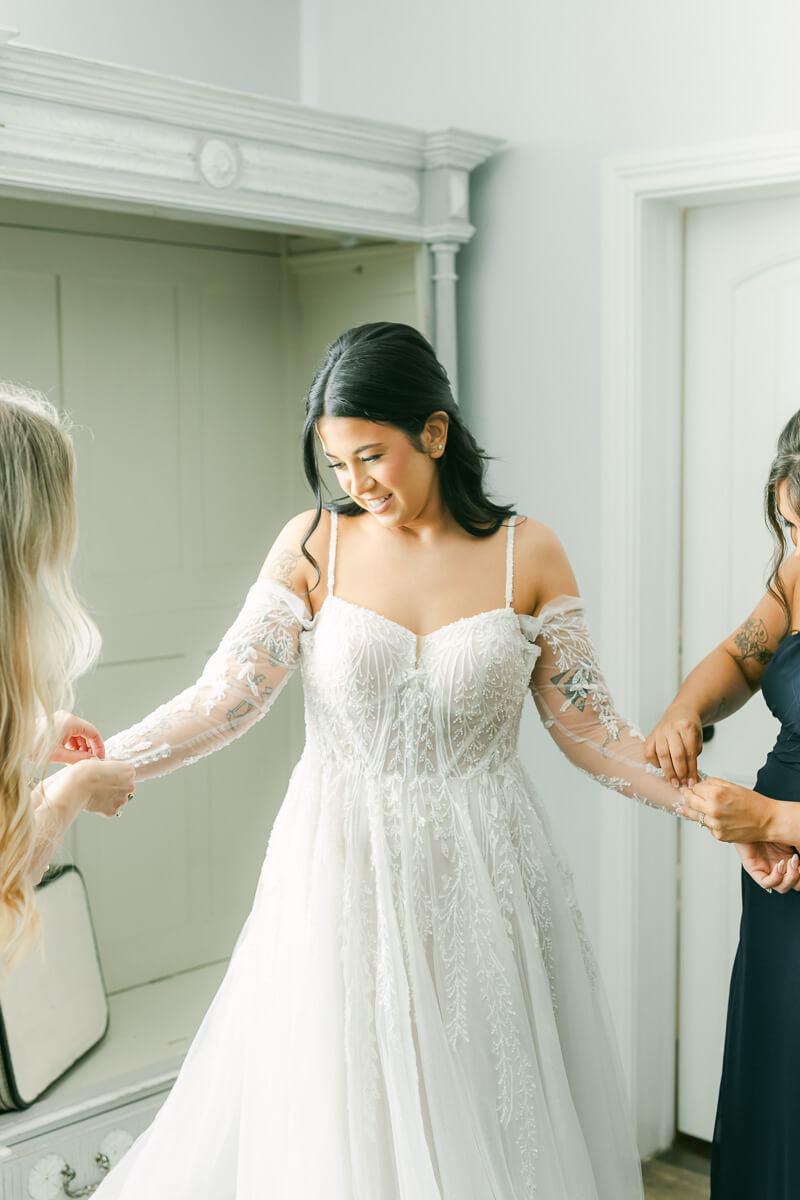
[{"x": 412, "y": 1012}]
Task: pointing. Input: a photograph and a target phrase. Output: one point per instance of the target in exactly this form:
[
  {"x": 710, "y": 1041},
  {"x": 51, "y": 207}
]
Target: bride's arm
[
  {"x": 572, "y": 696},
  {"x": 241, "y": 680}
]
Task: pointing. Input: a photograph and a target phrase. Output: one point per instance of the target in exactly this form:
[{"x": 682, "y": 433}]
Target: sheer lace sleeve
[
  {"x": 238, "y": 685},
  {"x": 575, "y": 706}
]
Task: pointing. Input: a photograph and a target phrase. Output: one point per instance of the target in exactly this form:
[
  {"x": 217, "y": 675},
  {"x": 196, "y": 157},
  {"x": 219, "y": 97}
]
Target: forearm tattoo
[
  {"x": 719, "y": 712},
  {"x": 751, "y": 641},
  {"x": 234, "y": 716}
]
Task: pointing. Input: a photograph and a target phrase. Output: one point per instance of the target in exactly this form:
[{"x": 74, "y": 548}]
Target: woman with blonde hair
[{"x": 47, "y": 641}]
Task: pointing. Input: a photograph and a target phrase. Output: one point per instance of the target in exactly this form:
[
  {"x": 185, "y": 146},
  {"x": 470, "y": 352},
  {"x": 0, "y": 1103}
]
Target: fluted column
[{"x": 444, "y": 307}]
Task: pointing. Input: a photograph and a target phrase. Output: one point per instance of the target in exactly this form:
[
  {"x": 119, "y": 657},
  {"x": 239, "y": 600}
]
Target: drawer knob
[
  {"x": 68, "y": 1174},
  {"x": 51, "y": 1177}
]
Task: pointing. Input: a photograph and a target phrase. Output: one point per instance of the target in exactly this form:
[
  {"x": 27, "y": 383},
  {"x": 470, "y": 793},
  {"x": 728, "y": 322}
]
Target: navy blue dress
[{"x": 757, "y": 1131}]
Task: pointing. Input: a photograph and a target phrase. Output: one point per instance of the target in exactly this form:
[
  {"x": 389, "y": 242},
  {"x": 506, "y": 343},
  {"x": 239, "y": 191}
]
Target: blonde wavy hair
[{"x": 47, "y": 638}]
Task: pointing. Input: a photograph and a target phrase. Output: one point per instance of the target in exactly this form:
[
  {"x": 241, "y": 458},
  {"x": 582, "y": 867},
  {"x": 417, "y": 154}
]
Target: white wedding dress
[{"x": 412, "y": 1010}]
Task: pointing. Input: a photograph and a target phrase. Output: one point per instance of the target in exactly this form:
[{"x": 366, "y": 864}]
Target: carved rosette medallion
[{"x": 218, "y": 162}]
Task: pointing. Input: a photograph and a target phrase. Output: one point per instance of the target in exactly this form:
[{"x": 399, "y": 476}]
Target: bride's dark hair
[
  {"x": 785, "y": 468},
  {"x": 389, "y": 374}
]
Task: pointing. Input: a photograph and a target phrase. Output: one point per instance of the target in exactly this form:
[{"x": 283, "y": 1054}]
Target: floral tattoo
[{"x": 751, "y": 641}]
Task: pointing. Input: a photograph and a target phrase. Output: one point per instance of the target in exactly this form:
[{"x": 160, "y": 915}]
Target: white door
[
  {"x": 170, "y": 356},
  {"x": 742, "y": 382}
]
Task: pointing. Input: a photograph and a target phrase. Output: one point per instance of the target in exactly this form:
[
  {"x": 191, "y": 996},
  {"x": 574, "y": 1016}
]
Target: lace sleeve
[
  {"x": 575, "y": 706},
  {"x": 238, "y": 685}
]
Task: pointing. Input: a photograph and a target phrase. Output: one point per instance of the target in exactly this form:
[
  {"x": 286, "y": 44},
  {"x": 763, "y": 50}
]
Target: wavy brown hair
[
  {"x": 47, "y": 638},
  {"x": 785, "y": 468}
]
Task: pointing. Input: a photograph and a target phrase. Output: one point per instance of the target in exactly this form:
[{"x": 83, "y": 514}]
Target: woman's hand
[
  {"x": 88, "y": 786},
  {"x": 773, "y": 865},
  {"x": 77, "y": 739},
  {"x": 106, "y": 787},
  {"x": 674, "y": 745},
  {"x": 731, "y": 813}
]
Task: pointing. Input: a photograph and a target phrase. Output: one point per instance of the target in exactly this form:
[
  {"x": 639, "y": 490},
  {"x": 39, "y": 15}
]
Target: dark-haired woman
[
  {"x": 758, "y": 1112},
  {"x": 413, "y": 1011}
]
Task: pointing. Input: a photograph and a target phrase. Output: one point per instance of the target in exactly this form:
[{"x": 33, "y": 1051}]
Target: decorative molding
[
  {"x": 698, "y": 174},
  {"x": 89, "y": 133},
  {"x": 457, "y": 148},
  {"x": 643, "y": 200},
  {"x": 219, "y": 162},
  {"x": 7, "y": 35}
]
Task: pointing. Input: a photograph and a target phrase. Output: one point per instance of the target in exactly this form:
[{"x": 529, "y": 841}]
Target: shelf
[{"x": 150, "y": 1030}]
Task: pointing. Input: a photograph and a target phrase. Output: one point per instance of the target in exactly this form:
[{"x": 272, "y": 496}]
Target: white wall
[
  {"x": 250, "y": 45},
  {"x": 566, "y": 84}
]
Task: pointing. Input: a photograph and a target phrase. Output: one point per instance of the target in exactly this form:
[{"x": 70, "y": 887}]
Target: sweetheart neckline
[{"x": 419, "y": 638}]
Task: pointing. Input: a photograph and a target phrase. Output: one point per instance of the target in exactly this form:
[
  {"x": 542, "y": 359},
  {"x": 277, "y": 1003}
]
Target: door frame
[{"x": 645, "y": 197}]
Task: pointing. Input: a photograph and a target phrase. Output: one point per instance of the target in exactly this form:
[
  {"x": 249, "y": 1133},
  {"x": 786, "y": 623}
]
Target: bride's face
[{"x": 379, "y": 468}]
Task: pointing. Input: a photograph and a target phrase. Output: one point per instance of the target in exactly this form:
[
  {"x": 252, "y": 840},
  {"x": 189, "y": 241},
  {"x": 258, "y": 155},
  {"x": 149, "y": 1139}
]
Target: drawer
[{"x": 33, "y": 1171}]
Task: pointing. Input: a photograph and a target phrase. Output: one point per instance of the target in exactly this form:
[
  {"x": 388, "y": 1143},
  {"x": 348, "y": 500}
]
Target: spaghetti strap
[
  {"x": 510, "y": 561},
  {"x": 332, "y": 552}
]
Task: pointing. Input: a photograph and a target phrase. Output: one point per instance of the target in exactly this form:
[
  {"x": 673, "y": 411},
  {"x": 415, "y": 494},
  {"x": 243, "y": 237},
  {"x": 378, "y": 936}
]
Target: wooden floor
[{"x": 662, "y": 1181}]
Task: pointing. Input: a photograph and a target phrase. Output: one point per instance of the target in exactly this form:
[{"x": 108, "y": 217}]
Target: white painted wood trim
[
  {"x": 444, "y": 278},
  {"x": 643, "y": 200},
  {"x": 89, "y": 133}
]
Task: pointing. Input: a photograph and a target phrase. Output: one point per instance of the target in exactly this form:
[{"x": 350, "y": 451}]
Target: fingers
[
  {"x": 680, "y": 762},
  {"x": 790, "y": 875},
  {"x": 80, "y": 737},
  {"x": 650, "y": 751},
  {"x": 70, "y": 756},
  {"x": 783, "y": 877},
  {"x": 773, "y": 880},
  {"x": 664, "y": 758},
  {"x": 676, "y": 752},
  {"x": 693, "y": 806},
  {"x": 92, "y": 740}
]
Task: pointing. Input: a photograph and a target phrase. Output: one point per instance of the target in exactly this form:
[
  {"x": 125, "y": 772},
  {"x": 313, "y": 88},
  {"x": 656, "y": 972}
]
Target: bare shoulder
[
  {"x": 287, "y": 564},
  {"x": 789, "y": 576},
  {"x": 543, "y": 570}
]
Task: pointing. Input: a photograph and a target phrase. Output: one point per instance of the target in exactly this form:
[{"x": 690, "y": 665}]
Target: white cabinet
[
  {"x": 174, "y": 260},
  {"x": 77, "y": 1155},
  {"x": 111, "y": 1095}
]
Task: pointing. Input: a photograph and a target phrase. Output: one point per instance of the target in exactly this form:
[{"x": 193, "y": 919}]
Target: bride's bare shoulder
[
  {"x": 287, "y": 564},
  {"x": 543, "y": 570}
]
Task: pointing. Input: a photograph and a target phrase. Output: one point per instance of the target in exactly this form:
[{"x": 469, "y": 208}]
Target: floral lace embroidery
[
  {"x": 575, "y": 705},
  {"x": 238, "y": 685}
]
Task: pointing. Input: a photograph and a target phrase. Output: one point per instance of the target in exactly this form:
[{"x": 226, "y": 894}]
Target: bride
[{"x": 412, "y": 1010}]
